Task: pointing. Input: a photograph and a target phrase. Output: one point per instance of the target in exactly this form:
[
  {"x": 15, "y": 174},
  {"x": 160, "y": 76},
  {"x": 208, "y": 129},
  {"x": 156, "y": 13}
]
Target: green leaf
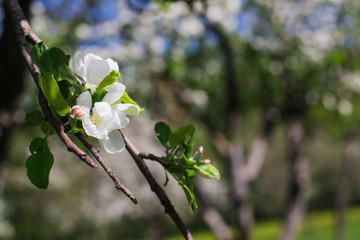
[
  {"x": 207, "y": 170},
  {"x": 34, "y": 118},
  {"x": 39, "y": 163},
  {"x": 187, "y": 161},
  {"x": 64, "y": 88},
  {"x": 46, "y": 128},
  {"x": 188, "y": 147},
  {"x": 125, "y": 98},
  {"x": 179, "y": 135},
  {"x": 106, "y": 84},
  {"x": 48, "y": 59},
  {"x": 56, "y": 57},
  {"x": 163, "y": 132},
  {"x": 189, "y": 192},
  {"x": 36, "y": 54},
  {"x": 76, "y": 126},
  {"x": 52, "y": 93},
  {"x": 65, "y": 73}
]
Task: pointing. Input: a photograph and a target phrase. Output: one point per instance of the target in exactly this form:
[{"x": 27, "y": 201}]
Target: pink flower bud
[
  {"x": 76, "y": 112},
  {"x": 208, "y": 161},
  {"x": 201, "y": 149}
]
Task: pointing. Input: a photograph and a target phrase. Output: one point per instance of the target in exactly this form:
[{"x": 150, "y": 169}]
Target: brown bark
[
  {"x": 298, "y": 181},
  {"x": 156, "y": 188}
]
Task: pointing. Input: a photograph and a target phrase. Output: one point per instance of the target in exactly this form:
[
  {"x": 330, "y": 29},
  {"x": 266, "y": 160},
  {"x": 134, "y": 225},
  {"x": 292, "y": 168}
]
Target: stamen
[{"x": 96, "y": 119}]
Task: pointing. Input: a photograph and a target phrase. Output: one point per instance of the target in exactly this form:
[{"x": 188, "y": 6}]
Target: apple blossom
[
  {"x": 92, "y": 68},
  {"x": 103, "y": 120}
]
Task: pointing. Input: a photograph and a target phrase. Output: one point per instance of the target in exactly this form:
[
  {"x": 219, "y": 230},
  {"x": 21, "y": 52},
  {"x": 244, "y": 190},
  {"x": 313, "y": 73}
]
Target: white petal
[
  {"x": 113, "y": 143},
  {"x": 102, "y": 116},
  {"x": 91, "y": 129},
  {"x": 102, "y": 110},
  {"x": 119, "y": 121},
  {"x": 113, "y": 65},
  {"x": 77, "y": 64},
  {"x": 91, "y": 57},
  {"x": 84, "y": 101},
  {"x": 128, "y": 108},
  {"x": 115, "y": 93},
  {"x": 96, "y": 71}
]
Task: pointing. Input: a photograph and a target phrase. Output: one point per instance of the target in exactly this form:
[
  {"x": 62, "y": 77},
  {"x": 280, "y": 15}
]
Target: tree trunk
[
  {"x": 343, "y": 192},
  {"x": 298, "y": 181},
  {"x": 211, "y": 216}
]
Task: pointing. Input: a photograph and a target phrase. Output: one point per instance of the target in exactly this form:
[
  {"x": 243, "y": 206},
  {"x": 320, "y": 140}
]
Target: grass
[{"x": 316, "y": 226}]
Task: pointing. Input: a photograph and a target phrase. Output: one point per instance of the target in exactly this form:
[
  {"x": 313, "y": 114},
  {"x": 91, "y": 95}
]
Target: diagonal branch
[
  {"x": 23, "y": 32},
  {"x": 156, "y": 188},
  {"x": 95, "y": 152}
]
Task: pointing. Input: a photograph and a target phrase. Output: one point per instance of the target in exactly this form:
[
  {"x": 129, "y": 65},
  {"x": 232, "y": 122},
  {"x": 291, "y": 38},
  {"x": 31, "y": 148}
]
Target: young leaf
[
  {"x": 39, "y": 163},
  {"x": 188, "y": 147},
  {"x": 188, "y": 188},
  {"x": 52, "y": 93},
  {"x": 48, "y": 60},
  {"x": 36, "y": 55},
  {"x": 179, "y": 135},
  {"x": 65, "y": 73},
  {"x": 106, "y": 84},
  {"x": 207, "y": 170},
  {"x": 125, "y": 98},
  {"x": 163, "y": 132},
  {"x": 55, "y": 57},
  {"x": 34, "y": 118}
]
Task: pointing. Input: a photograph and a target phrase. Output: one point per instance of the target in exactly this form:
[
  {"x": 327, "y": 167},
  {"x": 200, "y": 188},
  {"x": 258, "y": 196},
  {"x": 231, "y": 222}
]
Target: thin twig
[
  {"x": 118, "y": 184},
  {"x": 23, "y": 32},
  {"x": 156, "y": 188},
  {"x": 154, "y": 158}
]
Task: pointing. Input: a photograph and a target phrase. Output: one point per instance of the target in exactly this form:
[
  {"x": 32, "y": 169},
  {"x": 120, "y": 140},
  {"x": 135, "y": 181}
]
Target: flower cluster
[{"x": 101, "y": 119}]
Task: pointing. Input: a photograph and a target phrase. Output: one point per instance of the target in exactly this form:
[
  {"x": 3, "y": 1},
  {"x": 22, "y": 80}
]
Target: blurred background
[{"x": 271, "y": 87}]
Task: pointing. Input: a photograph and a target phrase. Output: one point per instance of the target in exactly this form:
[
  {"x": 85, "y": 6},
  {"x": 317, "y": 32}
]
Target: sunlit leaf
[
  {"x": 106, "y": 84},
  {"x": 53, "y": 94},
  {"x": 207, "y": 170}
]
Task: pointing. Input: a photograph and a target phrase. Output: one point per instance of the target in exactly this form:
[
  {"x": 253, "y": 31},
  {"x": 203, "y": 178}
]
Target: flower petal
[
  {"x": 96, "y": 71},
  {"x": 113, "y": 65},
  {"x": 113, "y": 143},
  {"x": 119, "y": 121},
  {"x": 84, "y": 101},
  {"x": 91, "y": 129},
  {"x": 77, "y": 64},
  {"x": 115, "y": 93},
  {"x": 88, "y": 58},
  {"x": 128, "y": 108}
]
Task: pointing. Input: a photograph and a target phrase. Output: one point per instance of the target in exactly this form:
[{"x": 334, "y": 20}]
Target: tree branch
[
  {"x": 24, "y": 32},
  {"x": 95, "y": 152},
  {"x": 156, "y": 188}
]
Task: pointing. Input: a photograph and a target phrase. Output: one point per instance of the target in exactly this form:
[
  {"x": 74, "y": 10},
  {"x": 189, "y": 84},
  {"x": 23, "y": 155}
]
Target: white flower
[
  {"x": 105, "y": 118},
  {"x": 92, "y": 68}
]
